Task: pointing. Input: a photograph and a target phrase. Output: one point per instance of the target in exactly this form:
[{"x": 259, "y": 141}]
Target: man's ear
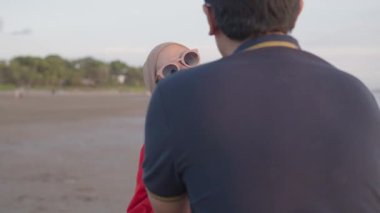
[
  {"x": 300, "y": 7},
  {"x": 210, "y": 19}
]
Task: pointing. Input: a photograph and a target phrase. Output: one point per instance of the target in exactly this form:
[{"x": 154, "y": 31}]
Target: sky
[{"x": 344, "y": 32}]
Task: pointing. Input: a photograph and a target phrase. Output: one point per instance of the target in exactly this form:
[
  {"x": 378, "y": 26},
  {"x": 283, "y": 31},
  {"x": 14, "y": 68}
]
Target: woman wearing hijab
[{"x": 164, "y": 60}]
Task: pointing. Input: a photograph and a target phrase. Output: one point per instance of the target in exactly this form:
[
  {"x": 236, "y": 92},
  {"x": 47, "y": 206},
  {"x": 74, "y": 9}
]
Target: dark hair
[{"x": 242, "y": 19}]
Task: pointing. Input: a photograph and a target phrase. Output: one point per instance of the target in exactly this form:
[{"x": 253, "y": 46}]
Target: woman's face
[
  {"x": 174, "y": 58},
  {"x": 166, "y": 59},
  {"x": 170, "y": 54}
]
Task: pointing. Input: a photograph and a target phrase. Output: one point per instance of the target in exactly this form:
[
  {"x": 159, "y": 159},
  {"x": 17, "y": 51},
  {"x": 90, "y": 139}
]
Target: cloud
[
  {"x": 23, "y": 32},
  {"x": 122, "y": 51},
  {"x": 136, "y": 12},
  {"x": 358, "y": 51}
]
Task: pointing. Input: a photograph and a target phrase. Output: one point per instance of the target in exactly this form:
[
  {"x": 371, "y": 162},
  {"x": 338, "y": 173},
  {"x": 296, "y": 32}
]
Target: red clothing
[{"x": 140, "y": 202}]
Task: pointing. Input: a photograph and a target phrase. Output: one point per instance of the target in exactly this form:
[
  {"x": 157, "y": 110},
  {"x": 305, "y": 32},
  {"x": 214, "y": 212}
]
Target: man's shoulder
[{"x": 304, "y": 62}]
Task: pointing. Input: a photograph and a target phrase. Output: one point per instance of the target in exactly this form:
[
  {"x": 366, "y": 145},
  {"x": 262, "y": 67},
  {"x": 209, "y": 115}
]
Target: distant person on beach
[
  {"x": 269, "y": 128},
  {"x": 19, "y": 93},
  {"x": 163, "y": 61}
]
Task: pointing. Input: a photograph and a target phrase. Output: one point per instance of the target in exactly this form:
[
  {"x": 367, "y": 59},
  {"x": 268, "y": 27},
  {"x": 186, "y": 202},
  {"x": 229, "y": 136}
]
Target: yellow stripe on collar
[{"x": 272, "y": 44}]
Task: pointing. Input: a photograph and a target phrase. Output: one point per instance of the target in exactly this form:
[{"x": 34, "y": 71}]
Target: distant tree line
[{"x": 55, "y": 71}]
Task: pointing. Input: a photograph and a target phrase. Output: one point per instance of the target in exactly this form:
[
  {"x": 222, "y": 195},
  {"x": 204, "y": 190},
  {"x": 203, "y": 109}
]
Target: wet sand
[{"x": 69, "y": 152}]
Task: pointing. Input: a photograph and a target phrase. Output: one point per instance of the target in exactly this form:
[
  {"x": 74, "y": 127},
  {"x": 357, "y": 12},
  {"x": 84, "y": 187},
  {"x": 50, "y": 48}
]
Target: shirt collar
[{"x": 271, "y": 37}]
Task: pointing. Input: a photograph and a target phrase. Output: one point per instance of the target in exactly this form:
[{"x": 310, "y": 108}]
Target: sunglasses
[{"x": 187, "y": 59}]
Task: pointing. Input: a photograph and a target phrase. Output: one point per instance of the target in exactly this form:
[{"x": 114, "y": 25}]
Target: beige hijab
[{"x": 150, "y": 66}]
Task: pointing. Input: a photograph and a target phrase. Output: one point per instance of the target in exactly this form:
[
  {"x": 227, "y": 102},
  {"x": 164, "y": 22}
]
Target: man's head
[{"x": 239, "y": 20}]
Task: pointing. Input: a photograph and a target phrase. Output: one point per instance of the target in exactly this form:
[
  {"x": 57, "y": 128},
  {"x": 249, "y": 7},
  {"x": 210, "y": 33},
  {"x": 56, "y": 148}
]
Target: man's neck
[{"x": 226, "y": 45}]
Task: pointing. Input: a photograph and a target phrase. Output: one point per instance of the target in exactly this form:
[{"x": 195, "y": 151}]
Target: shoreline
[{"x": 71, "y": 92}]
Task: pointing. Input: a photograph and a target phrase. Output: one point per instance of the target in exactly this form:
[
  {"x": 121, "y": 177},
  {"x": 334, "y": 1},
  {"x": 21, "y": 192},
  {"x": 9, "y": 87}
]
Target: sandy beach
[{"x": 71, "y": 152}]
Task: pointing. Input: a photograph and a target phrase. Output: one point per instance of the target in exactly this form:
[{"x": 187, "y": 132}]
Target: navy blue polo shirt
[{"x": 273, "y": 130}]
